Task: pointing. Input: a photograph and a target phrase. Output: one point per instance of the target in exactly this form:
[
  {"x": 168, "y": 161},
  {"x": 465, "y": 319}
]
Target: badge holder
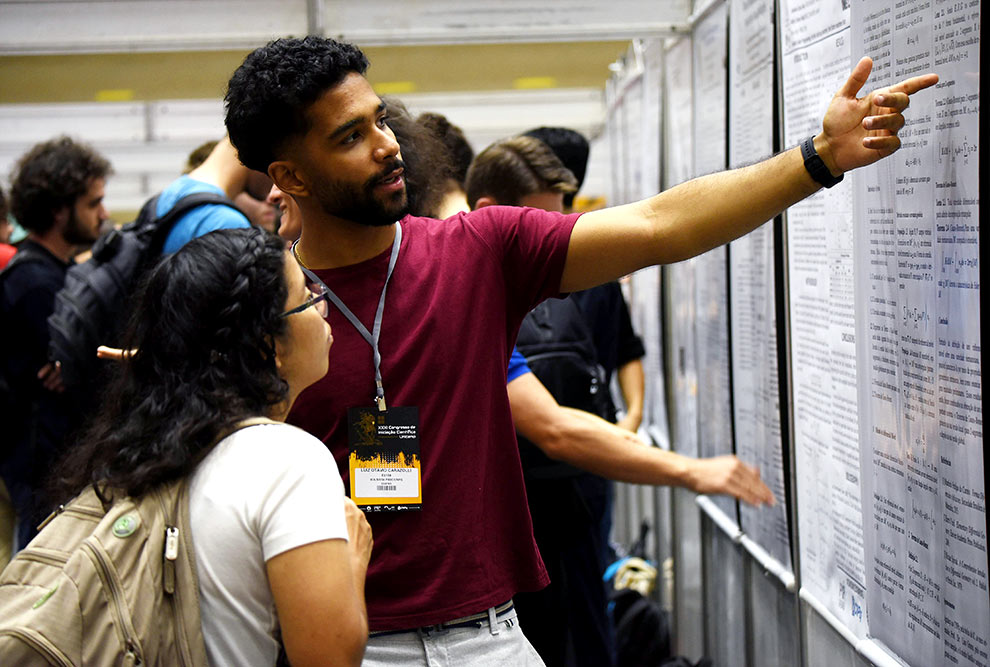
[{"x": 384, "y": 461}]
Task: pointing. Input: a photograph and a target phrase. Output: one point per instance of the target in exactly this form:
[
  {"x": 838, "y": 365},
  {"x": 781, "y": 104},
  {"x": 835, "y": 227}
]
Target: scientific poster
[
  {"x": 644, "y": 307},
  {"x": 918, "y": 287},
  {"x": 613, "y": 131},
  {"x": 679, "y": 287},
  {"x": 633, "y": 149},
  {"x": 652, "y": 114},
  {"x": 756, "y": 392},
  {"x": 645, "y": 287},
  {"x": 678, "y": 121},
  {"x": 815, "y": 62},
  {"x": 711, "y": 289}
]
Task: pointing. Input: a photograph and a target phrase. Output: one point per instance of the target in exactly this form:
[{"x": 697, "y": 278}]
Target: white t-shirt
[{"x": 262, "y": 491}]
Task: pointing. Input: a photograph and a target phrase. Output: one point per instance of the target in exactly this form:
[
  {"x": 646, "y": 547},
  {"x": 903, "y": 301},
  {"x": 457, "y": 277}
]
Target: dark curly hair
[
  {"x": 51, "y": 176},
  {"x": 204, "y": 329},
  {"x": 460, "y": 151},
  {"x": 268, "y": 95},
  {"x": 425, "y": 160}
]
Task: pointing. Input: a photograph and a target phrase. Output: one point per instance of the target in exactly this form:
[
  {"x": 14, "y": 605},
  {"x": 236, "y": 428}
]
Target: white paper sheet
[
  {"x": 815, "y": 62},
  {"x": 919, "y": 343},
  {"x": 756, "y": 394},
  {"x": 711, "y": 289}
]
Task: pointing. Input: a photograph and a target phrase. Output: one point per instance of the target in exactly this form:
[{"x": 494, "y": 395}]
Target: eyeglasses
[{"x": 319, "y": 299}]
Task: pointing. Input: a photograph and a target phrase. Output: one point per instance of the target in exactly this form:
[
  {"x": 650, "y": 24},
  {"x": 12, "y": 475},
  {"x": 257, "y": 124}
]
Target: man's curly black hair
[
  {"x": 268, "y": 95},
  {"x": 51, "y": 176}
]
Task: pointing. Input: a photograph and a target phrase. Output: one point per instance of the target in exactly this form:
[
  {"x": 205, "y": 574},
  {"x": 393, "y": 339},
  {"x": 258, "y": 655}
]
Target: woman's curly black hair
[
  {"x": 268, "y": 95},
  {"x": 203, "y": 330}
]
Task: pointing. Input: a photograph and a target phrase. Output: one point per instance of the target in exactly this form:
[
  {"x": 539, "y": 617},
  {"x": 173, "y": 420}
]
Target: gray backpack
[{"x": 106, "y": 583}]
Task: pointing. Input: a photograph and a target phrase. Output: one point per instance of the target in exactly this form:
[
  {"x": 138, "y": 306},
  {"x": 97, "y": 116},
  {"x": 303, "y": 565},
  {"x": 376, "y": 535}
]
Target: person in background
[
  {"x": 199, "y": 154},
  {"x": 6, "y": 250},
  {"x": 567, "y": 620},
  {"x": 442, "y": 578},
  {"x": 221, "y": 173},
  {"x": 225, "y": 330},
  {"x": 429, "y": 170},
  {"x": 57, "y": 196},
  {"x": 460, "y": 153},
  {"x": 619, "y": 349},
  {"x": 260, "y": 212},
  {"x": 289, "y": 218}
]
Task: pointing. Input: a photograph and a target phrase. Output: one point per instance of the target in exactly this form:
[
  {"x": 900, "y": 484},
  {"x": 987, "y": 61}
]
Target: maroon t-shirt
[{"x": 458, "y": 294}]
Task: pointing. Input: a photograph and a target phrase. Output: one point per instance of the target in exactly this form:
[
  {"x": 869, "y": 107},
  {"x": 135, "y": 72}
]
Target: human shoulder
[
  {"x": 274, "y": 441},
  {"x": 179, "y": 188},
  {"x": 186, "y": 185},
  {"x": 32, "y": 271},
  {"x": 271, "y": 476},
  {"x": 200, "y": 220}
]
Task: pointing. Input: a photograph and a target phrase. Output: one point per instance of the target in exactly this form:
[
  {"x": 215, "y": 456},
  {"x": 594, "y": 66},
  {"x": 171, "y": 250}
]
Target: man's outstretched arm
[
  {"x": 707, "y": 212},
  {"x": 593, "y": 444}
]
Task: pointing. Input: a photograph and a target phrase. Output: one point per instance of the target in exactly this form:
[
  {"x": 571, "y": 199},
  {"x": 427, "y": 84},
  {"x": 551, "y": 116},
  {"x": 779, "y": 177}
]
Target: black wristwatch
[{"x": 816, "y": 166}]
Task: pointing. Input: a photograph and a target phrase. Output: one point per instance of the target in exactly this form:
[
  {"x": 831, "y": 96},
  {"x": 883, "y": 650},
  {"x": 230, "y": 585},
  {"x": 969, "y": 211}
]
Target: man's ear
[
  {"x": 60, "y": 217},
  {"x": 483, "y": 202},
  {"x": 287, "y": 177}
]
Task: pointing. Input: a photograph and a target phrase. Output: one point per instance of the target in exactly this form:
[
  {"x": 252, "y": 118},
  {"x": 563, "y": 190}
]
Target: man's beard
[
  {"x": 76, "y": 233},
  {"x": 359, "y": 203}
]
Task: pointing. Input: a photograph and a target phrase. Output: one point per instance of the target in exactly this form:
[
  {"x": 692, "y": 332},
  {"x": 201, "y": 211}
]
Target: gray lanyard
[{"x": 372, "y": 337}]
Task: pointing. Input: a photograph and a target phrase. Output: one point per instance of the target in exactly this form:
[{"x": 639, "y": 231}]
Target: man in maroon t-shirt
[{"x": 429, "y": 361}]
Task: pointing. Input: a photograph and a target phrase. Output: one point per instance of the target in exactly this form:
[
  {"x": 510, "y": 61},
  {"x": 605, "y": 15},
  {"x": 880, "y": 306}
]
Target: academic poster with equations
[
  {"x": 710, "y": 269},
  {"x": 815, "y": 61},
  {"x": 756, "y": 392},
  {"x": 884, "y": 284},
  {"x": 918, "y": 341}
]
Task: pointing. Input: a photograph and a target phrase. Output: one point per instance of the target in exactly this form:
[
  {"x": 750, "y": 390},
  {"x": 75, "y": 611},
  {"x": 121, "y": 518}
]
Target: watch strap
[{"x": 816, "y": 166}]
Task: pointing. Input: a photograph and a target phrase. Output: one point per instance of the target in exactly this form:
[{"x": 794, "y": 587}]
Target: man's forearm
[
  {"x": 587, "y": 441},
  {"x": 591, "y": 443},
  {"x": 712, "y": 210},
  {"x": 684, "y": 221}
]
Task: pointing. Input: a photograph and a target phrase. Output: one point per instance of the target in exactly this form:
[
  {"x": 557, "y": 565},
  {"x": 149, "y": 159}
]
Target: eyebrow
[{"x": 355, "y": 121}]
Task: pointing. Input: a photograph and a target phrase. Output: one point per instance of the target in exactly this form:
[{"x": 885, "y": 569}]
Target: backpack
[
  {"x": 560, "y": 350},
  {"x": 106, "y": 582},
  {"x": 92, "y": 306},
  {"x": 642, "y": 629},
  {"x": 643, "y": 636}
]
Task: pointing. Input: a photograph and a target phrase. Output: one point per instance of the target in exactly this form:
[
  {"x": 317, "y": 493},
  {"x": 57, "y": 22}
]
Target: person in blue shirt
[{"x": 221, "y": 173}]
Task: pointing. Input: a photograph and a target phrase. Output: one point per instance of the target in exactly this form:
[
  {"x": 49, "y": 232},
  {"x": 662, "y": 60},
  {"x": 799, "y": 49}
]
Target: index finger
[{"x": 915, "y": 83}]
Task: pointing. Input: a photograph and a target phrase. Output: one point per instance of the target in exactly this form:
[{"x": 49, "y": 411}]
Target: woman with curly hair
[{"x": 224, "y": 330}]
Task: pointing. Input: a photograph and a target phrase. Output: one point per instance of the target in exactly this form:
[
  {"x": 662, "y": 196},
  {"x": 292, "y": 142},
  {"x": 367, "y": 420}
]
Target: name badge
[{"x": 384, "y": 459}]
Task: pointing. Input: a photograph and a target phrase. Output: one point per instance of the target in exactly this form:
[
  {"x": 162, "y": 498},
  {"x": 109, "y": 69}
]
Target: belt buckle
[{"x": 433, "y": 630}]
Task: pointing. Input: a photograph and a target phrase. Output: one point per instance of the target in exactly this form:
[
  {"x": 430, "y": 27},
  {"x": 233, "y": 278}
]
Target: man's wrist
[{"x": 819, "y": 161}]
